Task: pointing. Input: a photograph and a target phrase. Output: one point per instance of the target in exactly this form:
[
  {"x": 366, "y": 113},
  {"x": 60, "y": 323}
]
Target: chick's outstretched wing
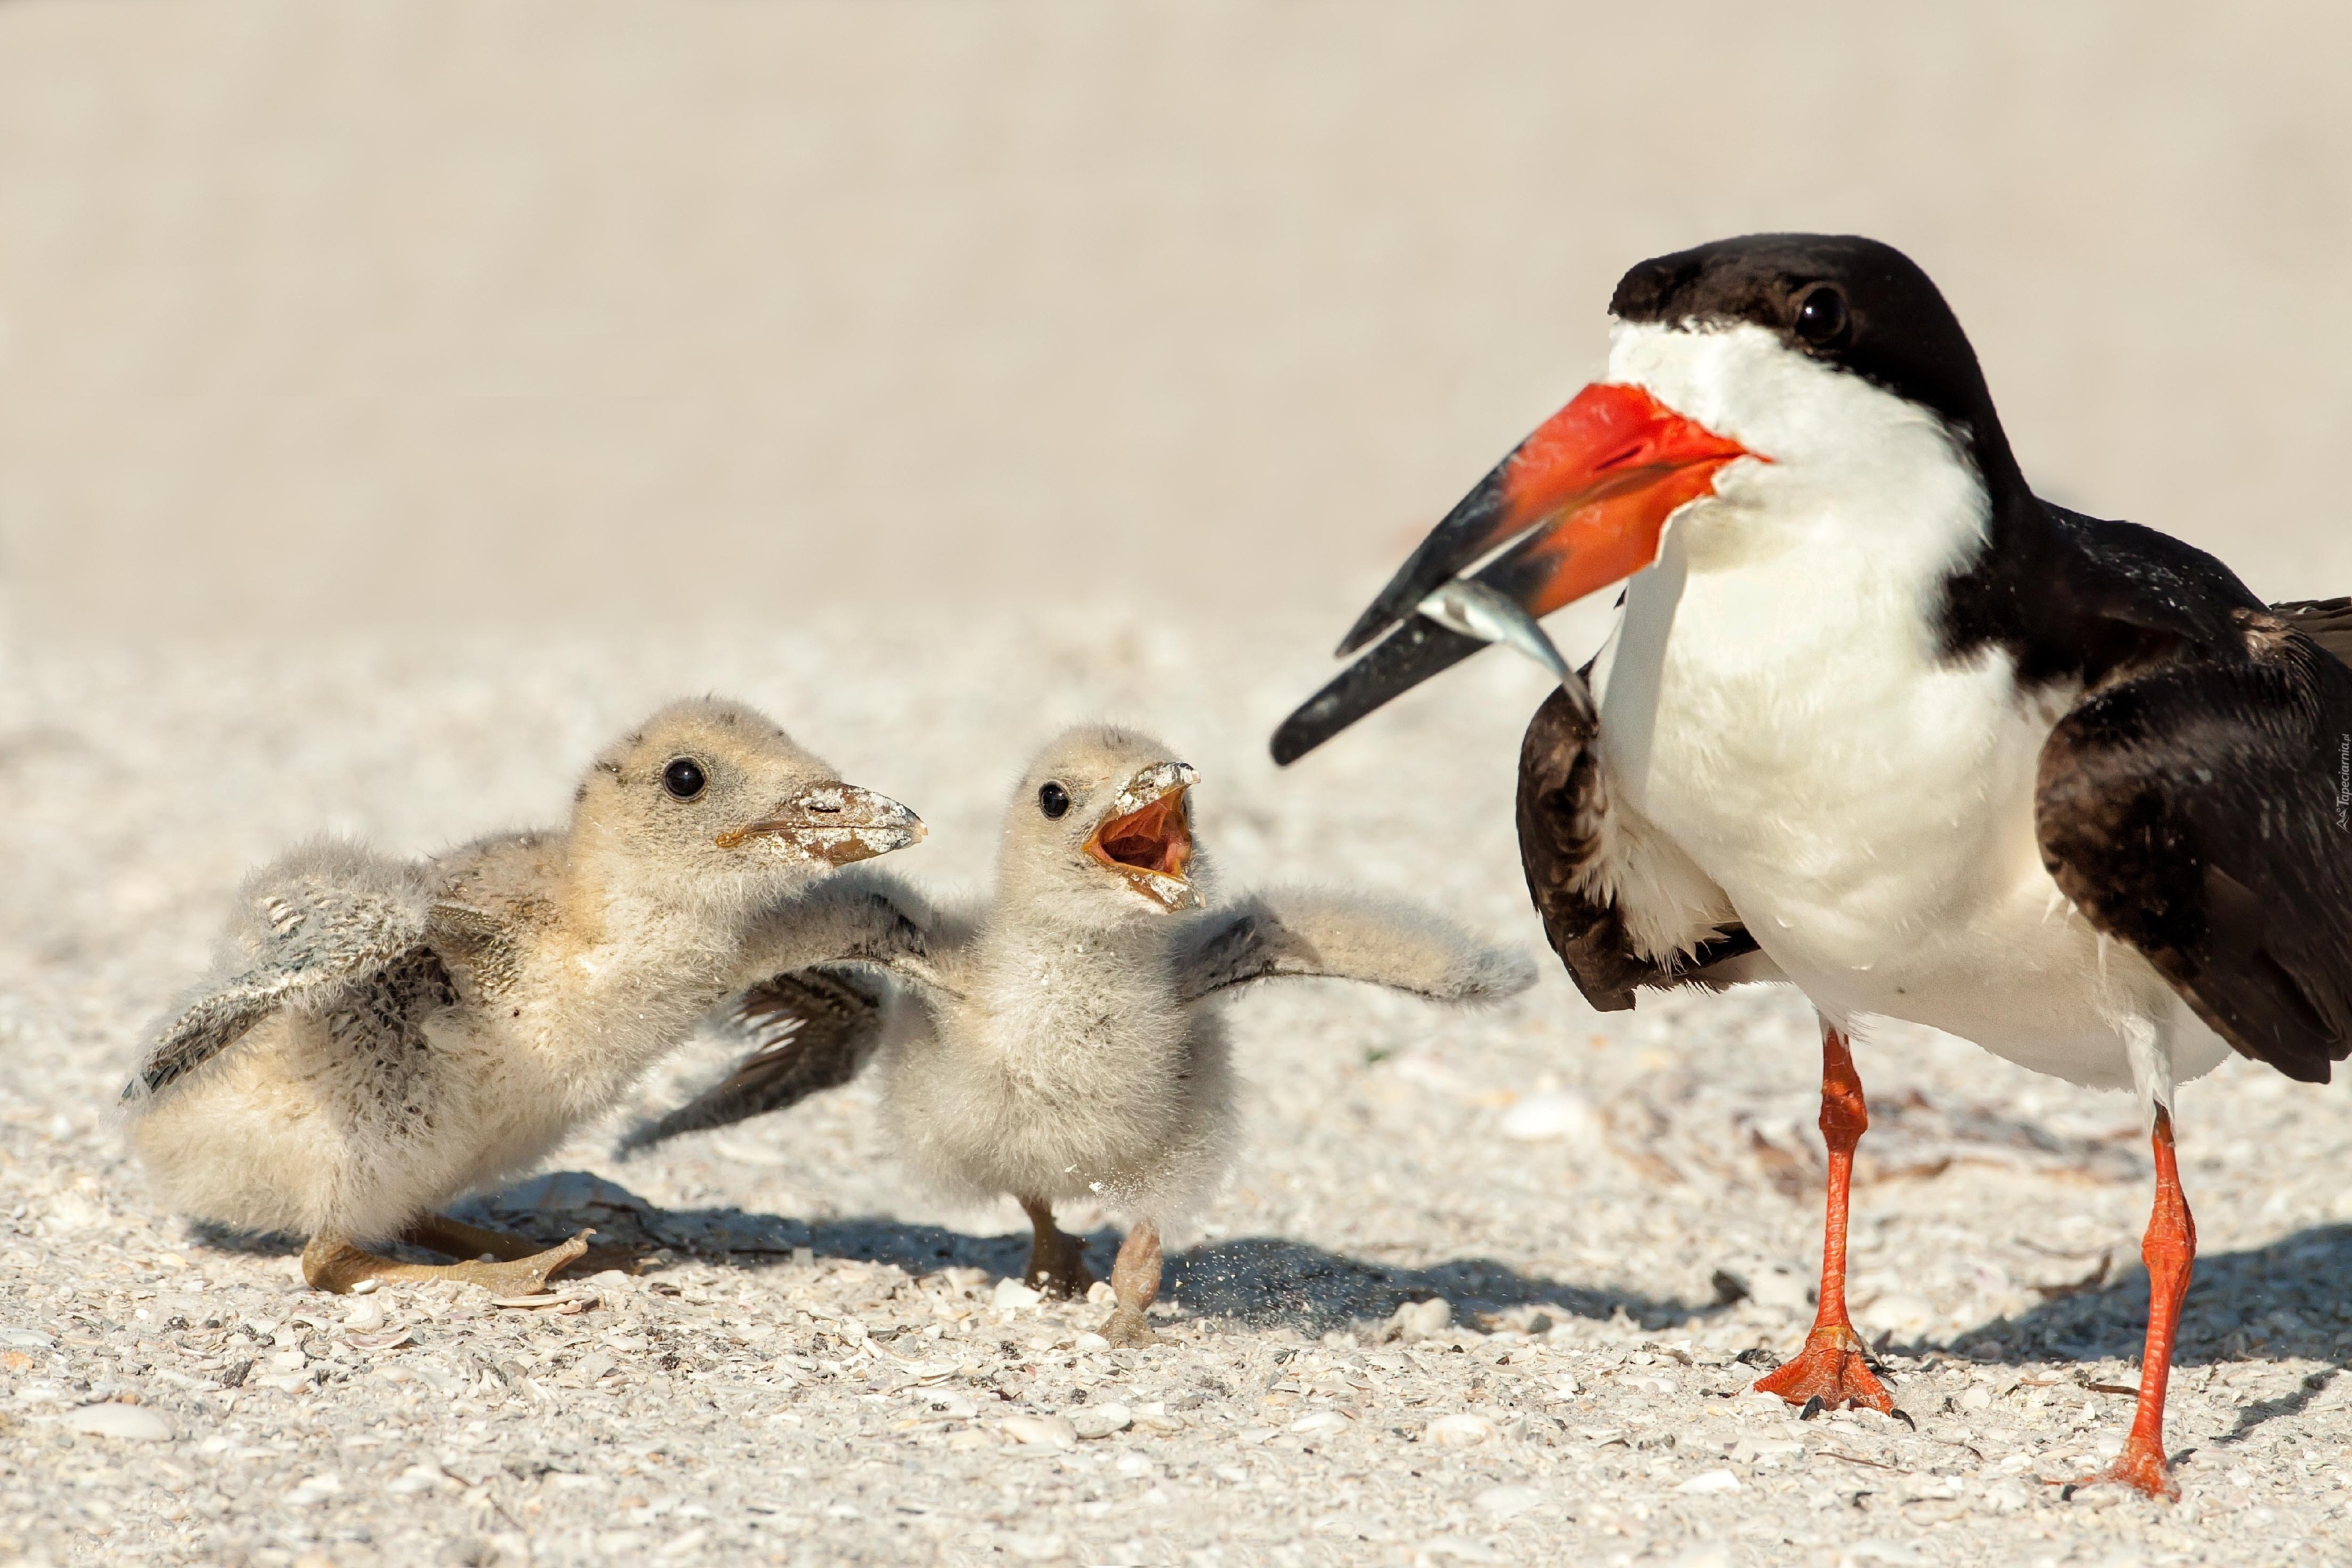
[
  {"x": 1304, "y": 933},
  {"x": 855, "y": 917}
]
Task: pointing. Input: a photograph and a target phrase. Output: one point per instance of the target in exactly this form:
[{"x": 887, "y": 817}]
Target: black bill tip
[
  {"x": 1399, "y": 662},
  {"x": 1478, "y": 523}
]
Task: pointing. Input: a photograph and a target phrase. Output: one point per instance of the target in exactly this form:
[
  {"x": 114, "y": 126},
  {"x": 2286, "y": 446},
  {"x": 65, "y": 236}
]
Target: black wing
[
  {"x": 815, "y": 1028},
  {"x": 2196, "y": 808},
  {"x": 1561, "y": 800}
]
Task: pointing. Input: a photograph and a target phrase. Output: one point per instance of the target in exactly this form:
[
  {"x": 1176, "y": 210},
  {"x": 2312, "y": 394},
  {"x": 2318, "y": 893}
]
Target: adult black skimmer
[{"x": 1877, "y": 720}]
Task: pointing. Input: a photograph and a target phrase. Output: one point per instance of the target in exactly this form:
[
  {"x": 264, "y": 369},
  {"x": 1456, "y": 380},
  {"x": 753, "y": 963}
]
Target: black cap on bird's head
[{"x": 1583, "y": 502}]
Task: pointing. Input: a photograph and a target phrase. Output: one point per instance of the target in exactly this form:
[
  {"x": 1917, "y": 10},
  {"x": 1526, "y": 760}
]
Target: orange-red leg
[
  {"x": 1831, "y": 1368},
  {"x": 2170, "y": 1250}
]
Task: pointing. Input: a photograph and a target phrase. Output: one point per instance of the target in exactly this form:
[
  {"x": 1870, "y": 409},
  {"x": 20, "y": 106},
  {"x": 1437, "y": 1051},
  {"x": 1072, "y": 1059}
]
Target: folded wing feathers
[{"x": 322, "y": 918}]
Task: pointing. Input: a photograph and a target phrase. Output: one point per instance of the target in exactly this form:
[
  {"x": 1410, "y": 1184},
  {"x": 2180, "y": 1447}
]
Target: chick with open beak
[
  {"x": 1059, "y": 1044},
  {"x": 1146, "y": 838}
]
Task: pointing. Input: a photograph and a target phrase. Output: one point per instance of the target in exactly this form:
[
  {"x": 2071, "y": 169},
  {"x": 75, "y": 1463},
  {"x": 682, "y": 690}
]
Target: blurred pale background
[{"x": 596, "y": 313}]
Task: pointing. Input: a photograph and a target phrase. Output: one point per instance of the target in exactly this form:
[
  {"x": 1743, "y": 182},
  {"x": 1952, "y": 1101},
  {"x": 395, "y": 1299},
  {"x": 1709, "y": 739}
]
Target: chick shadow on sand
[
  {"x": 1254, "y": 1280},
  {"x": 2285, "y": 1301}
]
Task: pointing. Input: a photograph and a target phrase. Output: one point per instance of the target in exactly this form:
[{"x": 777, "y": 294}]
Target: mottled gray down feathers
[
  {"x": 818, "y": 1028},
  {"x": 328, "y": 925}
]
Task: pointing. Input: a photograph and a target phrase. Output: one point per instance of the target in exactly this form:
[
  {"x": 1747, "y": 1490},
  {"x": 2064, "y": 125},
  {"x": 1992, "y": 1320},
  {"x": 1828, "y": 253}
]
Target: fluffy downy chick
[
  {"x": 379, "y": 1037},
  {"x": 1063, "y": 1047}
]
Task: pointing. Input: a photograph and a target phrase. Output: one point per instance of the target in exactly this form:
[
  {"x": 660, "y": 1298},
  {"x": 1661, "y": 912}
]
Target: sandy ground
[
  {"x": 827, "y": 1366},
  {"x": 398, "y": 398}
]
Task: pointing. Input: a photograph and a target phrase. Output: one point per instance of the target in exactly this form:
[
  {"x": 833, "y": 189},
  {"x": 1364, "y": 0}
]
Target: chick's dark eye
[
  {"x": 1053, "y": 799},
  {"x": 683, "y": 778},
  {"x": 1822, "y": 313}
]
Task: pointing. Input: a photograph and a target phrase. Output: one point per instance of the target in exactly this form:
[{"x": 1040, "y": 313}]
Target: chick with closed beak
[{"x": 380, "y": 1037}]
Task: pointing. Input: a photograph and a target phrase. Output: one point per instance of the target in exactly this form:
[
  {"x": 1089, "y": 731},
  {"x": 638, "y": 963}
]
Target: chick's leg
[
  {"x": 439, "y": 1233},
  {"x": 334, "y": 1264},
  {"x": 1057, "y": 1261},
  {"x": 1134, "y": 1279}
]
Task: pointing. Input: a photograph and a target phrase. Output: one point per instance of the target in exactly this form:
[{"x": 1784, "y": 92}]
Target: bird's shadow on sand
[
  {"x": 1255, "y": 1280},
  {"x": 2279, "y": 1302},
  {"x": 1261, "y": 1279}
]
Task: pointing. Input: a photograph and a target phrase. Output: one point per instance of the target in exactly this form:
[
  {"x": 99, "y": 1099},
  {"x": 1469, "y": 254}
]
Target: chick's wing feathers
[
  {"x": 852, "y": 917},
  {"x": 814, "y": 1030},
  {"x": 1303, "y": 933},
  {"x": 814, "y": 1019},
  {"x": 330, "y": 925}
]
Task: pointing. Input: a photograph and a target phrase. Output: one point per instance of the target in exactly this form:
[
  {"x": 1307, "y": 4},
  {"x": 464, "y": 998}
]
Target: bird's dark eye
[
  {"x": 1822, "y": 314},
  {"x": 683, "y": 778},
  {"x": 1053, "y": 799}
]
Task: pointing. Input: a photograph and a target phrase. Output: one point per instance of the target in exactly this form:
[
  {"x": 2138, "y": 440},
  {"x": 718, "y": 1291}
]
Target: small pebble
[
  {"x": 1459, "y": 1431},
  {"x": 1421, "y": 1320},
  {"x": 118, "y": 1421},
  {"x": 1100, "y": 1420},
  {"x": 1042, "y": 1431},
  {"x": 1541, "y": 1118}
]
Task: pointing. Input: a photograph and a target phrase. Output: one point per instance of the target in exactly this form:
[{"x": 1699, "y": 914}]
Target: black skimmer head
[{"x": 1766, "y": 371}]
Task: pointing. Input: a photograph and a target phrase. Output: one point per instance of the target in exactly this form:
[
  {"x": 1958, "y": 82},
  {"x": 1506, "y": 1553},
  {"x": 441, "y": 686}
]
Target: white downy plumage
[{"x": 1064, "y": 1049}]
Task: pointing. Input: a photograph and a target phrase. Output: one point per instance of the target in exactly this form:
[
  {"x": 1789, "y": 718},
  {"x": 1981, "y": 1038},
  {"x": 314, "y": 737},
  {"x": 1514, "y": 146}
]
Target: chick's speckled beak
[
  {"x": 836, "y": 823},
  {"x": 1146, "y": 835}
]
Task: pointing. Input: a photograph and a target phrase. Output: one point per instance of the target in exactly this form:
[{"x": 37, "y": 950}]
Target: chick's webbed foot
[
  {"x": 335, "y": 1265},
  {"x": 1127, "y": 1331},
  {"x": 520, "y": 1276},
  {"x": 439, "y": 1233}
]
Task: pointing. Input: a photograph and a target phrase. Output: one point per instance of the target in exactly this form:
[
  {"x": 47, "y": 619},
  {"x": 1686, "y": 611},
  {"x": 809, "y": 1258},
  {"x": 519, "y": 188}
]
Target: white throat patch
[{"x": 1850, "y": 467}]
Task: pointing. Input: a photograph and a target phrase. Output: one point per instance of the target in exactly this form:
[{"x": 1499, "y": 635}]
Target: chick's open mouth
[{"x": 1153, "y": 842}]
